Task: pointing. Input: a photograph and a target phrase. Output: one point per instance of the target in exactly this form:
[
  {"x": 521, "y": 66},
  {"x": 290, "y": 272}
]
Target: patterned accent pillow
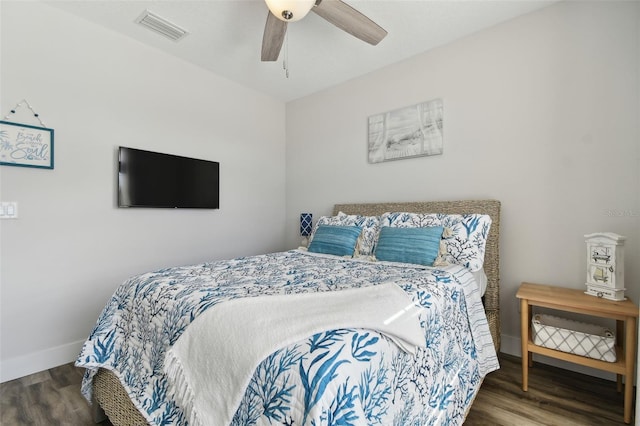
[
  {"x": 467, "y": 240},
  {"x": 370, "y": 226},
  {"x": 409, "y": 245},
  {"x": 336, "y": 240}
]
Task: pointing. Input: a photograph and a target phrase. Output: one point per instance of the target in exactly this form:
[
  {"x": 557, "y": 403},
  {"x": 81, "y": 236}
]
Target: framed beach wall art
[
  {"x": 412, "y": 131},
  {"x": 26, "y": 146}
]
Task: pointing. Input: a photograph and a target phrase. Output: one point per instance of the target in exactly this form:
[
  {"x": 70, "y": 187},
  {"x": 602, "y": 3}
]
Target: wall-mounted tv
[{"x": 153, "y": 179}]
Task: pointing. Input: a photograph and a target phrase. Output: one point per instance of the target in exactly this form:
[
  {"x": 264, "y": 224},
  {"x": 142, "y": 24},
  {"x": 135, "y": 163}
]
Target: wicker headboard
[{"x": 492, "y": 253}]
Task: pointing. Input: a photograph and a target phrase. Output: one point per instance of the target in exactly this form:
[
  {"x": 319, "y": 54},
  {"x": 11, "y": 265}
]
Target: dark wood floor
[
  {"x": 51, "y": 397},
  {"x": 555, "y": 397}
]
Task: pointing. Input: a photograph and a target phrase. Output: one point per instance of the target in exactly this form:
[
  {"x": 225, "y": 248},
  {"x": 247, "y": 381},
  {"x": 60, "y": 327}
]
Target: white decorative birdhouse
[{"x": 605, "y": 265}]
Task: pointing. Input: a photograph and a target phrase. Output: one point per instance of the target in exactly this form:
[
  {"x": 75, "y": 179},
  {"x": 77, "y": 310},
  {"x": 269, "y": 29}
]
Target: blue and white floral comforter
[{"x": 337, "y": 377}]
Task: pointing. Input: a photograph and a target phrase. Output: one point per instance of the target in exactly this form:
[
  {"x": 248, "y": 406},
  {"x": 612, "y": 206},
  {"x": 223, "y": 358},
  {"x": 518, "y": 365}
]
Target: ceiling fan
[{"x": 340, "y": 14}]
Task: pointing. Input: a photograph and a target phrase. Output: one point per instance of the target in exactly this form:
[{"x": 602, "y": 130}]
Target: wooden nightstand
[{"x": 624, "y": 312}]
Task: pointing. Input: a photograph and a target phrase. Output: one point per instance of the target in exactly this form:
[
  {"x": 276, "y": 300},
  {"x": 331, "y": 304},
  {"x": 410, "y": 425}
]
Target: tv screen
[{"x": 152, "y": 179}]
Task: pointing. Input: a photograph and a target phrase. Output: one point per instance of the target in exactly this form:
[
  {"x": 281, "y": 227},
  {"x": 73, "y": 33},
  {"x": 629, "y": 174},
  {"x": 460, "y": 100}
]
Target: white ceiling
[{"x": 225, "y": 36}]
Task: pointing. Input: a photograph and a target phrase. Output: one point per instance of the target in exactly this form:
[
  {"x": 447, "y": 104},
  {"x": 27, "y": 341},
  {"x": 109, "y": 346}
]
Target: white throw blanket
[{"x": 211, "y": 364}]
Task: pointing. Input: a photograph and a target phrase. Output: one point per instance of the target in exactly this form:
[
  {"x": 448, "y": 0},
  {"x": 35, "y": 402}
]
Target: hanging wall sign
[{"x": 26, "y": 146}]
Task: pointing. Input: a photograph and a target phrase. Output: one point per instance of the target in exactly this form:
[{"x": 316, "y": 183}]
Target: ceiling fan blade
[
  {"x": 350, "y": 20},
  {"x": 274, "y": 31}
]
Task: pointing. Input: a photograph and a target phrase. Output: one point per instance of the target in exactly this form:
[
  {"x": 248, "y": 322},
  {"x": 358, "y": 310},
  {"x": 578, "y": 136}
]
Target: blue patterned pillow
[
  {"x": 369, "y": 224},
  {"x": 469, "y": 232},
  {"x": 409, "y": 245},
  {"x": 336, "y": 240}
]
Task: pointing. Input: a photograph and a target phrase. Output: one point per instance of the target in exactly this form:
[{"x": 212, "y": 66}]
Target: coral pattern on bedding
[
  {"x": 370, "y": 227},
  {"x": 469, "y": 233},
  {"x": 337, "y": 377}
]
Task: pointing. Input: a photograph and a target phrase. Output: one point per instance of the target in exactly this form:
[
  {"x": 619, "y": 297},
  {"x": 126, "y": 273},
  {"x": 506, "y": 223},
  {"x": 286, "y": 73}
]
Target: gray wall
[
  {"x": 541, "y": 112},
  {"x": 71, "y": 246}
]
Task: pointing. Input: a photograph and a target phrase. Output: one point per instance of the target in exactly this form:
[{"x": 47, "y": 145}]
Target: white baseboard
[
  {"x": 35, "y": 362},
  {"x": 511, "y": 345}
]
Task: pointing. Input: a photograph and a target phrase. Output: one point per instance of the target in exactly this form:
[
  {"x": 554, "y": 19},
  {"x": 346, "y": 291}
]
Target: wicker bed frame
[{"x": 110, "y": 396}]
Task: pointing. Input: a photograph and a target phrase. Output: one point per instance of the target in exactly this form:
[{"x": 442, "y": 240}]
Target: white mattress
[{"x": 481, "y": 279}]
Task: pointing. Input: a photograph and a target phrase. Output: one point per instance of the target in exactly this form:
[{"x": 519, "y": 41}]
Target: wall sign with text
[{"x": 26, "y": 146}]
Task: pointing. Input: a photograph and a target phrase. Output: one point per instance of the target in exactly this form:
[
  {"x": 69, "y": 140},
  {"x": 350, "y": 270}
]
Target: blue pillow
[
  {"x": 336, "y": 240},
  {"x": 409, "y": 245}
]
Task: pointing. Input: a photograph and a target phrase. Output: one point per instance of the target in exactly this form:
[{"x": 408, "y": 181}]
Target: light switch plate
[{"x": 8, "y": 210}]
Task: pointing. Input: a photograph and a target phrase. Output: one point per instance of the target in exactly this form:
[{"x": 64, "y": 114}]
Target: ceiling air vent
[{"x": 161, "y": 26}]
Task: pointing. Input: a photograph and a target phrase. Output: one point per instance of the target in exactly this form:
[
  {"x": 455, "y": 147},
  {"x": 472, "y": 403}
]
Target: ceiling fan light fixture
[{"x": 290, "y": 10}]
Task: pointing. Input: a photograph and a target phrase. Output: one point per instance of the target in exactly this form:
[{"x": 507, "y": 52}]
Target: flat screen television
[{"x": 152, "y": 179}]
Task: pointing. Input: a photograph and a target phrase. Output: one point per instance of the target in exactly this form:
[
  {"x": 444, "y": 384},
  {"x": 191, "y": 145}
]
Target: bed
[{"x": 113, "y": 388}]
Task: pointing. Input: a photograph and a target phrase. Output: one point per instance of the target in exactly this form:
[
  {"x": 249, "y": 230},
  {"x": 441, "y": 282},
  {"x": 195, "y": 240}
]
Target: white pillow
[{"x": 467, "y": 240}]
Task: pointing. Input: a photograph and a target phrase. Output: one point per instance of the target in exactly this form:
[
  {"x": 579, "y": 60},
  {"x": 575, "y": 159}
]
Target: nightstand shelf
[
  {"x": 618, "y": 367},
  {"x": 571, "y": 300}
]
